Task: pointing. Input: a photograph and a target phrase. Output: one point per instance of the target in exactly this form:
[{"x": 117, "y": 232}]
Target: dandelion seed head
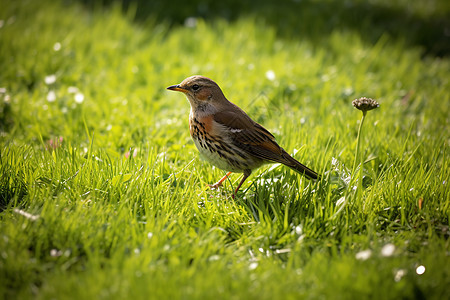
[{"x": 365, "y": 104}]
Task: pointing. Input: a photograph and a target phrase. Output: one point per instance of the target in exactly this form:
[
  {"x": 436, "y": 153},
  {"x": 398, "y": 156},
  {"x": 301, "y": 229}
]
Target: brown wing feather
[
  {"x": 258, "y": 141},
  {"x": 250, "y": 136},
  {"x": 238, "y": 119}
]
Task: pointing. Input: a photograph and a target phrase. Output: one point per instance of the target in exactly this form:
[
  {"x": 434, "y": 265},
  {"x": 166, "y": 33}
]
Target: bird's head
[{"x": 200, "y": 91}]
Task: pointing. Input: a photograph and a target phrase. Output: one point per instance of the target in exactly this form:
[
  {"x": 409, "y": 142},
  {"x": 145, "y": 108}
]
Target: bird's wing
[
  {"x": 258, "y": 141},
  {"x": 250, "y": 136}
]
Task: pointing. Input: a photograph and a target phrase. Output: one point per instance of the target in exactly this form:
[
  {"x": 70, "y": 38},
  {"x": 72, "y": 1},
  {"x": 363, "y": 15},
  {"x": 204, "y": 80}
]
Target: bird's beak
[{"x": 177, "y": 88}]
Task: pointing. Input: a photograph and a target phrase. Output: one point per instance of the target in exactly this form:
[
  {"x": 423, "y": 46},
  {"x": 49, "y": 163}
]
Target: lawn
[{"x": 103, "y": 194}]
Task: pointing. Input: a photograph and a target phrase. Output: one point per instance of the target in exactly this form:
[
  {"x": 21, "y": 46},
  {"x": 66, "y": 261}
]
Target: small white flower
[
  {"x": 51, "y": 96},
  {"x": 347, "y": 91},
  {"x": 190, "y": 22},
  {"x": 420, "y": 270},
  {"x": 214, "y": 258},
  {"x": 253, "y": 266},
  {"x": 55, "y": 252},
  {"x": 72, "y": 89},
  {"x": 399, "y": 274},
  {"x": 50, "y": 79},
  {"x": 270, "y": 75},
  {"x": 57, "y": 46},
  {"x": 387, "y": 250},
  {"x": 364, "y": 255},
  {"x": 79, "y": 97}
]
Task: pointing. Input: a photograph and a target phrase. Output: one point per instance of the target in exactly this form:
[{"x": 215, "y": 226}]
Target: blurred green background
[{"x": 418, "y": 23}]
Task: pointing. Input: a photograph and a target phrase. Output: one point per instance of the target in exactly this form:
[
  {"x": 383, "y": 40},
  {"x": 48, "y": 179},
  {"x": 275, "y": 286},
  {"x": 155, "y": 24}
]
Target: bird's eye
[{"x": 195, "y": 87}]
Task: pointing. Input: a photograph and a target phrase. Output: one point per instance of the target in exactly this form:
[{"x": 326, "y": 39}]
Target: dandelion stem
[
  {"x": 357, "y": 154},
  {"x": 363, "y": 104}
]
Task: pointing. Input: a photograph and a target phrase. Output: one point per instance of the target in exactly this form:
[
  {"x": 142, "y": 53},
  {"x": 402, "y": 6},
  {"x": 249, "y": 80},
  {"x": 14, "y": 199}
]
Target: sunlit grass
[{"x": 103, "y": 194}]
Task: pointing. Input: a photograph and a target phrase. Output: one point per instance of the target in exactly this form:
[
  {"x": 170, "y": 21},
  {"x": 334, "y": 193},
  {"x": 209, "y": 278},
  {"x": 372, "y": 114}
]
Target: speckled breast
[{"x": 219, "y": 150}]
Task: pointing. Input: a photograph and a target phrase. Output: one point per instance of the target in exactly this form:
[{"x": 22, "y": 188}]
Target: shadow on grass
[
  {"x": 313, "y": 20},
  {"x": 13, "y": 189}
]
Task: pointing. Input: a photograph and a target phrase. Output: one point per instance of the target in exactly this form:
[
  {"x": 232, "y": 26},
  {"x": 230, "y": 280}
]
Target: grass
[{"x": 119, "y": 208}]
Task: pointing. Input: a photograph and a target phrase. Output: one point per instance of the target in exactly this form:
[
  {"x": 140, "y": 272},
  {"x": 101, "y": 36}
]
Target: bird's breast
[
  {"x": 200, "y": 125},
  {"x": 215, "y": 145}
]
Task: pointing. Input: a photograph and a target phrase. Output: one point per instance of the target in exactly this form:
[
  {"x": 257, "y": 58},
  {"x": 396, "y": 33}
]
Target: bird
[{"x": 227, "y": 137}]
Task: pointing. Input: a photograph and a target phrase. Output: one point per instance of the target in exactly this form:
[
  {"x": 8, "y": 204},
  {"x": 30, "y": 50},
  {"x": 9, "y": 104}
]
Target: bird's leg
[
  {"x": 246, "y": 174},
  {"x": 219, "y": 183}
]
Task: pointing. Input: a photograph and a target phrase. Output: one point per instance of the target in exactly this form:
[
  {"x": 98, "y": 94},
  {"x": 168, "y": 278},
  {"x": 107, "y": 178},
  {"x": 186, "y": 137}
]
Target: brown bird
[{"x": 226, "y": 136}]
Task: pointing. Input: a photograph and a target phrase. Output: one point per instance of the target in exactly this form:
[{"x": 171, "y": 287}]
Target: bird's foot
[
  {"x": 219, "y": 183},
  {"x": 215, "y": 186}
]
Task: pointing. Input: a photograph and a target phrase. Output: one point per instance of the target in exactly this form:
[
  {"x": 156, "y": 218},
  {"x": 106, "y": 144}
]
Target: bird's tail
[{"x": 300, "y": 168}]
